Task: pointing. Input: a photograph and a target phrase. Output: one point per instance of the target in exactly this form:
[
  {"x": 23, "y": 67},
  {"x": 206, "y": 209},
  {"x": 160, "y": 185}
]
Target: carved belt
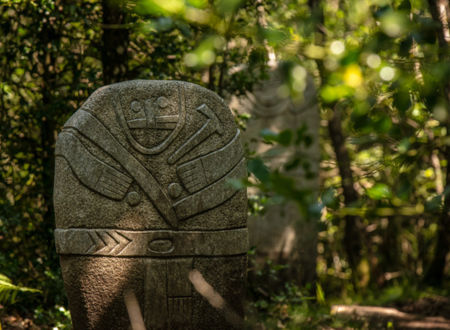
[{"x": 151, "y": 243}]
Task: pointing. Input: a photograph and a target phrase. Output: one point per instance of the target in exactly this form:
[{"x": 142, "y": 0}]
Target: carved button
[
  {"x": 161, "y": 246},
  {"x": 162, "y": 102},
  {"x": 133, "y": 198},
  {"x": 174, "y": 190}
]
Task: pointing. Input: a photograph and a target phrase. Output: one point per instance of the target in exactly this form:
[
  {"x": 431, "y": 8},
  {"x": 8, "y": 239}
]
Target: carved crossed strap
[
  {"x": 213, "y": 182},
  {"x": 150, "y": 243},
  {"x": 90, "y": 126}
]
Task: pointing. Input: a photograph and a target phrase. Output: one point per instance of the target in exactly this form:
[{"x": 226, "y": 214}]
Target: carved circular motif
[
  {"x": 161, "y": 246},
  {"x": 162, "y": 102},
  {"x": 174, "y": 190},
  {"x": 136, "y": 106},
  {"x": 133, "y": 198}
]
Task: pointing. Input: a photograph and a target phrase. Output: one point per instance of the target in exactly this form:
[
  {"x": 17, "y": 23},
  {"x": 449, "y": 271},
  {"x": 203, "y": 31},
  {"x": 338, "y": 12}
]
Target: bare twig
[
  {"x": 215, "y": 299},
  {"x": 134, "y": 312},
  {"x": 401, "y": 319}
]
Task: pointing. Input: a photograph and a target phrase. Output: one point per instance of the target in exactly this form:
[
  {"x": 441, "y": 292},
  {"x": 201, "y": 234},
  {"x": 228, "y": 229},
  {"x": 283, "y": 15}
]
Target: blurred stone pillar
[{"x": 282, "y": 233}]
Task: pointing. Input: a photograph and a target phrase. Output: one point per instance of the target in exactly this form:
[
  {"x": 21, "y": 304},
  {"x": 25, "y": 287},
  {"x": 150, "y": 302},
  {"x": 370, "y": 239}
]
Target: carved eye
[
  {"x": 162, "y": 102},
  {"x": 136, "y": 106}
]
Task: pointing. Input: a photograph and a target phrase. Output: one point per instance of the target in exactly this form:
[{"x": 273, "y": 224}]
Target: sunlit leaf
[
  {"x": 275, "y": 36},
  {"x": 166, "y": 7},
  {"x": 379, "y": 191},
  {"x": 330, "y": 94},
  {"x": 394, "y": 23},
  {"x": 353, "y": 76},
  {"x": 320, "y": 294}
]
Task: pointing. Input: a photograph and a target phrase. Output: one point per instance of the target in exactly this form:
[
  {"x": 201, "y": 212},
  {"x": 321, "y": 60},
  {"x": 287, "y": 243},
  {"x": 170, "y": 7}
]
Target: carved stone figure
[
  {"x": 281, "y": 233},
  {"x": 142, "y": 198}
]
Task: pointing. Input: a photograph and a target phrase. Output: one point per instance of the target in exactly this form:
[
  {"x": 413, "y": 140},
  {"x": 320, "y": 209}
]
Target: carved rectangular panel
[
  {"x": 155, "y": 310},
  {"x": 180, "y": 310},
  {"x": 178, "y": 284}
]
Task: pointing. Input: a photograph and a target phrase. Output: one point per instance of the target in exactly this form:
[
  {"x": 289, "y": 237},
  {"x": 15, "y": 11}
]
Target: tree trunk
[
  {"x": 115, "y": 42},
  {"x": 352, "y": 236},
  {"x": 435, "y": 274},
  {"x": 46, "y": 117},
  {"x": 47, "y": 123}
]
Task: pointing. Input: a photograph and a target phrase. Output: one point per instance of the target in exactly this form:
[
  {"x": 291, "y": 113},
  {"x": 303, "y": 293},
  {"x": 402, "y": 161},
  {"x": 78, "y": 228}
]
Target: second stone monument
[{"x": 143, "y": 197}]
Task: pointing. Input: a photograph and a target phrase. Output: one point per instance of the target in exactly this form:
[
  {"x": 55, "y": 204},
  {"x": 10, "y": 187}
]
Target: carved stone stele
[
  {"x": 143, "y": 197},
  {"x": 282, "y": 233}
]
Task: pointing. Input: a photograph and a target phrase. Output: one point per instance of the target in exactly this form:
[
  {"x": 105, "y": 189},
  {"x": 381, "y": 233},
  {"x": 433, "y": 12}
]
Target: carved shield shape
[
  {"x": 142, "y": 198},
  {"x": 152, "y": 121}
]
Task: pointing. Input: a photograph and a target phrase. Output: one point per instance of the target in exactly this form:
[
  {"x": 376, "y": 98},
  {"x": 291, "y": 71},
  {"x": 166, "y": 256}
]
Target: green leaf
[
  {"x": 379, "y": 191},
  {"x": 330, "y": 94},
  {"x": 351, "y": 57},
  {"x": 275, "y": 36},
  {"x": 402, "y": 100},
  {"x": 383, "y": 124},
  {"x": 320, "y": 295},
  {"x": 329, "y": 198},
  {"x": 9, "y": 291},
  {"x": 167, "y": 7},
  {"x": 228, "y": 6},
  {"x": 284, "y": 137},
  {"x": 434, "y": 204},
  {"x": 257, "y": 167}
]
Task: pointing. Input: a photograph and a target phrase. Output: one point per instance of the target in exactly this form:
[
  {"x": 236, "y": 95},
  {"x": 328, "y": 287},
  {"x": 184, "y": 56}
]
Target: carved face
[{"x": 153, "y": 121}]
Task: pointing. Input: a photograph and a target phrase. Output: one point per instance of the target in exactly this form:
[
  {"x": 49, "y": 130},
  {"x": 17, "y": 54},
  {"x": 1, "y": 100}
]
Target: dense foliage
[{"x": 381, "y": 68}]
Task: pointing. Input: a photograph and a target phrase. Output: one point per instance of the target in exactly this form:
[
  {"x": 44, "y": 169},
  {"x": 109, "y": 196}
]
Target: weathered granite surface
[
  {"x": 143, "y": 196},
  {"x": 281, "y": 233}
]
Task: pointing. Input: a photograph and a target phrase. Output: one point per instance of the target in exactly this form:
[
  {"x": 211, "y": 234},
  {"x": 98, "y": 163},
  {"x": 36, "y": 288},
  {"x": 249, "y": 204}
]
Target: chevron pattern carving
[{"x": 107, "y": 242}]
